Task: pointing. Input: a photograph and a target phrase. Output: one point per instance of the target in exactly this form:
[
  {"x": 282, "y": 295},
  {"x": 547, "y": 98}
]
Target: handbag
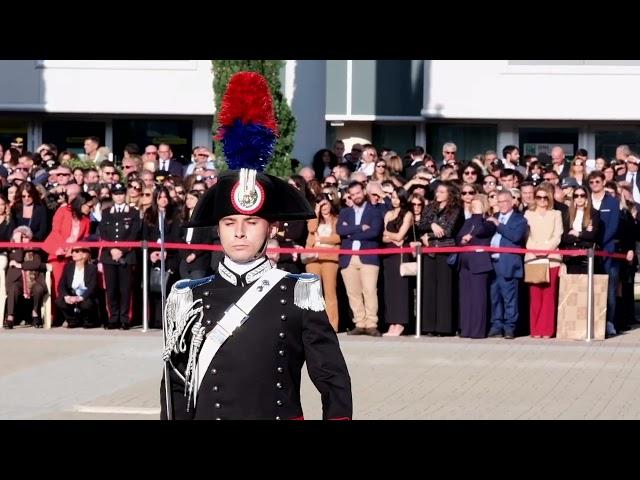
[
  {"x": 155, "y": 279},
  {"x": 536, "y": 271},
  {"x": 409, "y": 269}
]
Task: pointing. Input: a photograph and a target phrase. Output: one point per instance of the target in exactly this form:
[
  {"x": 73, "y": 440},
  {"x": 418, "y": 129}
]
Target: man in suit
[
  {"x": 609, "y": 208},
  {"x": 559, "y": 163},
  {"x": 631, "y": 176},
  {"x": 167, "y": 163},
  {"x": 360, "y": 227},
  {"x": 511, "y": 229}
]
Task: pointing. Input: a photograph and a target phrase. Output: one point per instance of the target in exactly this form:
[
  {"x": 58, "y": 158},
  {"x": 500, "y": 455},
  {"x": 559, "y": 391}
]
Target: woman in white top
[{"x": 76, "y": 292}]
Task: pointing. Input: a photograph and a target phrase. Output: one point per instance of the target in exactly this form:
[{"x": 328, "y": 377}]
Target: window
[
  {"x": 470, "y": 139},
  {"x": 538, "y": 140},
  {"x": 607, "y": 141},
  {"x": 177, "y": 133},
  {"x": 70, "y": 134}
]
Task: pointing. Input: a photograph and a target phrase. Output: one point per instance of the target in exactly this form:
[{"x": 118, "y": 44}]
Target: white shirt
[
  {"x": 367, "y": 168},
  {"x": 358, "y": 211},
  {"x": 631, "y": 178},
  {"x": 596, "y": 203},
  {"x": 577, "y": 223},
  {"x": 503, "y": 218},
  {"x": 78, "y": 279}
]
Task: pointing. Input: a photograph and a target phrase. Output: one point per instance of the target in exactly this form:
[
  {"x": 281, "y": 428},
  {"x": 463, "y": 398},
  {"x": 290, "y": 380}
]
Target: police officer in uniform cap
[
  {"x": 236, "y": 341},
  {"x": 120, "y": 222}
]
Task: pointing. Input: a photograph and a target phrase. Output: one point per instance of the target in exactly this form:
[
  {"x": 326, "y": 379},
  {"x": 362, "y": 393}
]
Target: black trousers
[
  {"x": 439, "y": 314},
  {"x": 68, "y": 310},
  {"x": 118, "y": 280}
]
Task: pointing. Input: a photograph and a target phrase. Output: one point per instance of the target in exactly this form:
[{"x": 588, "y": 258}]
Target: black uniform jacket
[{"x": 256, "y": 372}]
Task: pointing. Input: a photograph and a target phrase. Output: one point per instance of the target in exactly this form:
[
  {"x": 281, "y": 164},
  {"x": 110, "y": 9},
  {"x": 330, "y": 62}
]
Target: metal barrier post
[
  {"x": 418, "y": 290},
  {"x": 145, "y": 286},
  {"x": 590, "y": 313}
]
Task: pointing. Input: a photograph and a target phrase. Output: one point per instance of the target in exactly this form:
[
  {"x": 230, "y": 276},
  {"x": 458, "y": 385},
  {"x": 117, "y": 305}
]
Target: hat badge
[{"x": 247, "y": 195}]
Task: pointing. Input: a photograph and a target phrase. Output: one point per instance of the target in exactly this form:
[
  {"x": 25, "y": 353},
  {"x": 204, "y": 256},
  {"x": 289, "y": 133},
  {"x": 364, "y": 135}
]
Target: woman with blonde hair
[
  {"x": 474, "y": 269},
  {"x": 323, "y": 234},
  {"x": 545, "y": 233},
  {"x": 578, "y": 171}
]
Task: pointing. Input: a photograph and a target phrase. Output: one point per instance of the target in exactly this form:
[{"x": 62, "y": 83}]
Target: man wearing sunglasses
[
  {"x": 200, "y": 158},
  {"x": 609, "y": 208},
  {"x": 632, "y": 176}
]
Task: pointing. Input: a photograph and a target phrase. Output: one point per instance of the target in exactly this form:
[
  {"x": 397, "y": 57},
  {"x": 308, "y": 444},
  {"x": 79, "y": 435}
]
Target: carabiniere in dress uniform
[{"x": 236, "y": 342}]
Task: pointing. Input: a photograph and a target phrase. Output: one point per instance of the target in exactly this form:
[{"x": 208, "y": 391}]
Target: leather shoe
[
  {"x": 509, "y": 335},
  {"x": 494, "y": 333},
  {"x": 357, "y": 331},
  {"x": 112, "y": 326},
  {"x": 372, "y": 332},
  {"x": 124, "y": 326}
]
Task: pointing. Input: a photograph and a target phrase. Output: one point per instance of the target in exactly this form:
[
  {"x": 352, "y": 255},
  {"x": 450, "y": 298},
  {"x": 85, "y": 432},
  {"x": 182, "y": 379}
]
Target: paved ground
[{"x": 95, "y": 374}]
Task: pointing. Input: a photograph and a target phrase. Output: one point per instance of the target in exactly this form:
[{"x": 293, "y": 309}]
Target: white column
[
  {"x": 507, "y": 135},
  {"x": 308, "y": 104},
  {"x": 202, "y": 136}
]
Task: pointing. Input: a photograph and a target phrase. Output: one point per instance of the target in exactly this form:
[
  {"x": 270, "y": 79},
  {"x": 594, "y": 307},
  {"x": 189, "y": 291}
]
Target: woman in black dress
[{"x": 398, "y": 222}]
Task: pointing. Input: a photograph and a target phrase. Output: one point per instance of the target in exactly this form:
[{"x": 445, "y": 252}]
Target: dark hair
[
  {"x": 418, "y": 150},
  {"x": 318, "y": 164},
  {"x": 132, "y": 149},
  {"x": 300, "y": 183},
  {"x": 93, "y": 139},
  {"x": 508, "y": 150},
  {"x": 184, "y": 214},
  {"x": 595, "y": 174},
  {"x": 76, "y": 205},
  {"x": 582, "y": 152},
  {"x": 107, "y": 163},
  {"x": 403, "y": 196},
  {"x": 151, "y": 214},
  {"x": 14, "y": 155},
  {"x": 355, "y": 183}
]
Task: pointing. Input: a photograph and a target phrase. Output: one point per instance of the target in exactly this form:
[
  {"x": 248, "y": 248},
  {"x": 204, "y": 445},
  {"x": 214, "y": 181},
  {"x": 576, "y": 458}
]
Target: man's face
[
  {"x": 108, "y": 174},
  {"x": 506, "y": 181},
  {"x": 596, "y": 185},
  {"x": 64, "y": 176},
  {"x": 165, "y": 152},
  {"x": 527, "y": 194},
  {"x": 621, "y": 154},
  {"x": 308, "y": 174},
  {"x": 243, "y": 236},
  {"x": 91, "y": 177},
  {"x": 632, "y": 164},
  {"x": 90, "y": 147},
  {"x": 338, "y": 149},
  {"x": 489, "y": 159},
  {"x": 551, "y": 178},
  {"x": 356, "y": 194},
  {"x": 557, "y": 155},
  {"x": 515, "y": 156},
  {"x": 369, "y": 155},
  {"x": 449, "y": 155},
  {"x": 505, "y": 203},
  {"x": 210, "y": 178}
]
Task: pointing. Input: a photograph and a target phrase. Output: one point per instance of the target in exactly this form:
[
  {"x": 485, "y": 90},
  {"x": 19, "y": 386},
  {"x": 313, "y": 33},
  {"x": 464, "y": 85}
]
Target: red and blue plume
[{"x": 248, "y": 128}]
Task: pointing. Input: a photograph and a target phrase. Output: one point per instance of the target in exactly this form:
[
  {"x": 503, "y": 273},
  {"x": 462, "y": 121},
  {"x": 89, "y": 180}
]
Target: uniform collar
[{"x": 241, "y": 274}]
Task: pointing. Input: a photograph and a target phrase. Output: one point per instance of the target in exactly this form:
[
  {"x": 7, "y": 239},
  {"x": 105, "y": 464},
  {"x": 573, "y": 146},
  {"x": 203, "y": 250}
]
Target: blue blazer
[
  {"x": 509, "y": 265},
  {"x": 349, "y": 231},
  {"x": 609, "y": 222},
  {"x": 481, "y": 231}
]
